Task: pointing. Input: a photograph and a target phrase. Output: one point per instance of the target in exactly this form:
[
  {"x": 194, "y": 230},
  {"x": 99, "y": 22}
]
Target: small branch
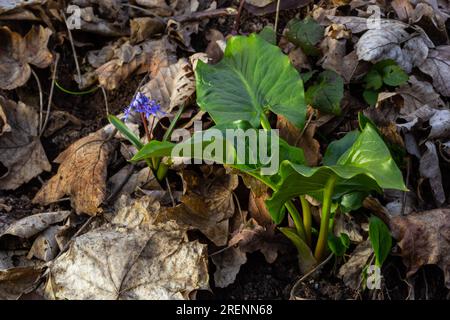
[
  {"x": 237, "y": 21},
  {"x": 50, "y": 97},
  {"x": 73, "y": 49},
  {"x": 41, "y": 99},
  {"x": 206, "y": 14}
]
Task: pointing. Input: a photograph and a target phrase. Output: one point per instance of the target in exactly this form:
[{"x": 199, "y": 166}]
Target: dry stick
[
  {"x": 303, "y": 278},
  {"x": 170, "y": 192},
  {"x": 41, "y": 98},
  {"x": 206, "y": 14},
  {"x": 237, "y": 21},
  {"x": 77, "y": 66},
  {"x": 105, "y": 97},
  {"x": 276, "y": 16},
  {"x": 50, "y": 97}
]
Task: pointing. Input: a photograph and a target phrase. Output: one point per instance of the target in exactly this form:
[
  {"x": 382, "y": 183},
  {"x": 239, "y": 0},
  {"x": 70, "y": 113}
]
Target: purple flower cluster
[{"x": 142, "y": 104}]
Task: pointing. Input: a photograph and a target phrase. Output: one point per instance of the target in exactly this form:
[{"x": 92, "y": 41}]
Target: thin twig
[
  {"x": 105, "y": 97},
  {"x": 277, "y": 15},
  {"x": 41, "y": 99},
  {"x": 50, "y": 97},
  {"x": 170, "y": 192},
  {"x": 206, "y": 14},
  {"x": 303, "y": 278},
  {"x": 237, "y": 21},
  {"x": 73, "y": 49}
]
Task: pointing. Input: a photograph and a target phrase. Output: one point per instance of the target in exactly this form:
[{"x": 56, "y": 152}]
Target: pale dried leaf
[
  {"x": 417, "y": 93},
  {"x": 21, "y": 150},
  {"x": 158, "y": 262},
  {"x": 172, "y": 86},
  {"x": 228, "y": 263},
  {"x": 32, "y": 225},
  {"x": 392, "y": 41},
  {"x": 437, "y": 66},
  {"x": 81, "y": 174}
]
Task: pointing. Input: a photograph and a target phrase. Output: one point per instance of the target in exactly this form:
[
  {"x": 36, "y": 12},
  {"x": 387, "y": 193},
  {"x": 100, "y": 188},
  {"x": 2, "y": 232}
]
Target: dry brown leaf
[
  {"x": 181, "y": 33},
  {"x": 112, "y": 262},
  {"x": 206, "y": 205},
  {"x": 21, "y": 151},
  {"x": 351, "y": 271},
  {"x": 424, "y": 238},
  {"x": 81, "y": 174},
  {"x": 215, "y": 47},
  {"x": 172, "y": 85},
  {"x": 150, "y": 56},
  {"x": 17, "y": 52},
  {"x": 306, "y": 141},
  {"x": 270, "y": 6},
  {"x": 15, "y": 281},
  {"x": 249, "y": 238},
  {"x": 143, "y": 28}
]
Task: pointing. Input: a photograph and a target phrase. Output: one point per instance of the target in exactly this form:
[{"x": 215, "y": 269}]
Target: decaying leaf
[
  {"x": 143, "y": 28},
  {"x": 351, "y": 271},
  {"x": 424, "y": 238},
  {"x": 15, "y": 281},
  {"x": 21, "y": 152},
  {"x": 437, "y": 65},
  {"x": 17, "y": 53},
  {"x": 172, "y": 85},
  {"x": 155, "y": 262},
  {"x": 393, "y": 41},
  {"x": 249, "y": 238},
  {"x": 429, "y": 169},
  {"x": 81, "y": 174},
  {"x": 416, "y": 94},
  {"x": 206, "y": 205},
  {"x": 304, "y": 140},
  {"x": 29, "y": 226},
  {"x": 117, "y": 61}
]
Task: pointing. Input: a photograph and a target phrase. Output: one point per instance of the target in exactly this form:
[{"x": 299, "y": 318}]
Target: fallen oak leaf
[
  {"x": 21, "y": 153},
  {"x": 424, "y": 238},
  {"x": 81, "y": 174}
]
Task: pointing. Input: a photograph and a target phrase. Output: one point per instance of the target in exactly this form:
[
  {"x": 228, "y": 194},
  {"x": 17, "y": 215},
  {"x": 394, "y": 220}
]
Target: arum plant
[{"x": 253, "y": 80}]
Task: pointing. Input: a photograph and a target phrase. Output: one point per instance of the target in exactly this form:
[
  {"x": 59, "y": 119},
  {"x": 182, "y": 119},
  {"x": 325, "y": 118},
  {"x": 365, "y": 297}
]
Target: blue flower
[{"x": 142, "y": 104}]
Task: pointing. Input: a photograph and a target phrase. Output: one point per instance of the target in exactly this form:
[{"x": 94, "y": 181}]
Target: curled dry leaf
[
  {"x": 263, "y": 7},
  {"x": 424, "y": 238},
  {"x": 17, "y": 53},
  {"x": 21, "y": 151},
  {"x": 155, "y": 262},
  {"x": 437, "y": 66},
  {"x": 206, "y": 205},
  {"x": 81, "y": 174},
  {"x": 29, "y": 226}
]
